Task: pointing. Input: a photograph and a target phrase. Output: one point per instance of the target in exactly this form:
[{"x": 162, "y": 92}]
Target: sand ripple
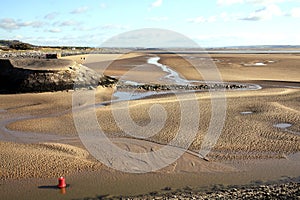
[{"x": 42, "y": 160}]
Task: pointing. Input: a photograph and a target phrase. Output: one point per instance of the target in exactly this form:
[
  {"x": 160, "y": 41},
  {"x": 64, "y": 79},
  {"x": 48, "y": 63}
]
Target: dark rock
[
  {"x": 19, "y": 80},
  {"x": 167, "y": 188}
]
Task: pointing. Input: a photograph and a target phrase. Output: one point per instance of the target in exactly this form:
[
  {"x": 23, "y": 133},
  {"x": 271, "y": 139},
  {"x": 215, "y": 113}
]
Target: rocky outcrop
[
  {"x": 275, "y": 191},
  {"x": 160, "y": 87},
  {"x": 44, "y": 75},
  {"x": 17, "y": 77}
]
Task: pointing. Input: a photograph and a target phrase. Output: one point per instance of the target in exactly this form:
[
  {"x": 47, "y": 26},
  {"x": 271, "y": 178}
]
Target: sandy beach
[{"x": 39, "y": 139}]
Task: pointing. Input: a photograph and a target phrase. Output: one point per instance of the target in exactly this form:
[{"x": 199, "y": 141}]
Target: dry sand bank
[
  {"x": 94, "y": 58},
  {"x": 244, "y": 136},
  {"x": 48, "y": 160},
  {"x": 43, "y": 160},
  {"x": 31, "y": 158},
  {"x": 129, "y": 68}
]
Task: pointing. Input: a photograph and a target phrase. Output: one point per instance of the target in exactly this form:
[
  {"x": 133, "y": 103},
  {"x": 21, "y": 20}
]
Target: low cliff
[{"x": 41, "y": 75}]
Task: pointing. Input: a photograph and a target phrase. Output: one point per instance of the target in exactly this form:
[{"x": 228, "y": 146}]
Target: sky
[{"x": 210, "y": 23}]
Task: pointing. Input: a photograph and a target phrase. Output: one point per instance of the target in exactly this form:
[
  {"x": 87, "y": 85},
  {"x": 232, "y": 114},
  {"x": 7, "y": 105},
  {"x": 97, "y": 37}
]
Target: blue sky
[{"x": 210, "y": 23}]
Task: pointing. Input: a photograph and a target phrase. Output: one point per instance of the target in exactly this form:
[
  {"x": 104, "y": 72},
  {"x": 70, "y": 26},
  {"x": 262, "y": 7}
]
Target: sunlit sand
[{"x": 261, "y": 125}]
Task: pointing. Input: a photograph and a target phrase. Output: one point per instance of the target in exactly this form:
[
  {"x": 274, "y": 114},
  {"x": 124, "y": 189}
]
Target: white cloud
[
  {"x": 212, "y": 19},
  {"x": 295, "y": 12},
  {"x": 114, "y": 26},
  {"x": 51, "y": 16},
  {"x": 264, "y": 2},
  {"x": 79, "y": 10},
  {"x": 8, "y": 24},
  {"x": 201, "y": 19},
  {"x": 54, "y": 30},
  {"x": 11, "y": 24},
  {"x": 229, "y": 2},
  {"x": 265, "y": 13},
  {"x": 197, "y": 20},
  {"x": 84, "y": 28},
  {"x": 225, "y": 16},
  {"x": 157, "y": 3},
  {"x": 258, "y": 2},
  {"x": 230, "y": 16},
  {"x": 158, "y": 19},
  {"x": 34, "y": 24},
  {"x": 69, "y": 23}
]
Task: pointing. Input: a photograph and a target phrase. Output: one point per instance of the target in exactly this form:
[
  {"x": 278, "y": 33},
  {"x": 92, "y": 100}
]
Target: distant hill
[
  {"x": 19, "y": 45},
  {"x": 15, "y": 44},
  {"x": 260, "y": 47}
]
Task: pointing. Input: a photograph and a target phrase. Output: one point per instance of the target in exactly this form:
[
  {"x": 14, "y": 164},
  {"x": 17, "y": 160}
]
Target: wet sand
[
  {"x": 248, "y": 142},
  {"x": 108, "y": 183},
  {"x": 240, "y": 67}
]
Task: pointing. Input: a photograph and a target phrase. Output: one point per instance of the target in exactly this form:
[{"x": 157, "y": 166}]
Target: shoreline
[
  {"x": 289, "y": 190},
  {"x": 132, "y": 186}
]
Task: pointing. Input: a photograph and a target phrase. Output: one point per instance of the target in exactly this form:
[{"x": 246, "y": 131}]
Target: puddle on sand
[
  {"x": 246, "y": 113},
  {"x": 285, "y": 127},
  {"x": 259, "y": 64},
  {"x": 282, "y": 125},
  {"x": 255, "y": 64},
  {"x": 129, "y": 95}
]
